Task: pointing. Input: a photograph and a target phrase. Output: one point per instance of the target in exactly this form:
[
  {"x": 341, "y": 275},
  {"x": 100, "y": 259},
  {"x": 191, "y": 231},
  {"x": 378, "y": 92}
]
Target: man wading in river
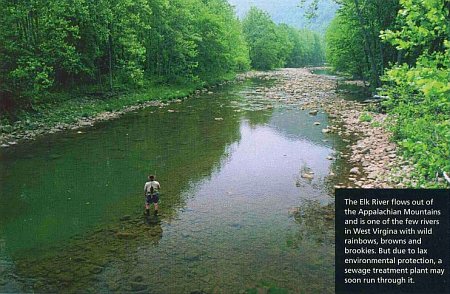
[{"x": 151, "y": 194}]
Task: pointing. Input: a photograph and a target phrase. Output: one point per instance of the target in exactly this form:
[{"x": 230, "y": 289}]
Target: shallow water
[{"x": 235, "y": 212}]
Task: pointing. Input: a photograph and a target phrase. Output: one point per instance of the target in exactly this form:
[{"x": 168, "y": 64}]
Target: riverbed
[{"x": 246, "y": 200}]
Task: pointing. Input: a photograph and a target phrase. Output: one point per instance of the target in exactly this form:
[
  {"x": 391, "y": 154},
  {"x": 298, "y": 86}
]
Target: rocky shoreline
[
  {"x": 374, "y": 159},
  {"x": 20, "y": 133}
]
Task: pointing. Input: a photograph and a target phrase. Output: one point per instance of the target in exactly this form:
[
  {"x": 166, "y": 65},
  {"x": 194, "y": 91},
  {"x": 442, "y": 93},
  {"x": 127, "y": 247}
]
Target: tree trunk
[
  {"x": 367, "y": 45},
  {"x": 110, "y": 62}
]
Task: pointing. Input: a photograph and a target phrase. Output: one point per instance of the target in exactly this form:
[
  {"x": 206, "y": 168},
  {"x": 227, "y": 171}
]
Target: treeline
[
  {"x": 291, "y": 12},
  {"x": 273, "y": 45},
  {"x": 49, "y": 45},
  {"x": 353, "y": 38},
  {"x": 402, "y": 47}
]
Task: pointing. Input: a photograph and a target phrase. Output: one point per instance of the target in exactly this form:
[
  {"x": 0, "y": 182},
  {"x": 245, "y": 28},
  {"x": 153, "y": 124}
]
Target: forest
[
  {"x": 63, "y": 52},
  {"x": 402, "y": 48},
  {"x": 49, "y": 47}
]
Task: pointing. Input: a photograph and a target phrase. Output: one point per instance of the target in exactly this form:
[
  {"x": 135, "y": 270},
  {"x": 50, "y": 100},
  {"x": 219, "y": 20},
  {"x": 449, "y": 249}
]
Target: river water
[{"x": 236, "y": 214}]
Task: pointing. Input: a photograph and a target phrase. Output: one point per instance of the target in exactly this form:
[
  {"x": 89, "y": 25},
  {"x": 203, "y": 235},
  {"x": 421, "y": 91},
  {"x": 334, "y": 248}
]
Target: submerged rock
[
  {"x": 135, "y": 286},
  {"x": 138, "y": 278},
  {"x": 125, "y": 218},
  {"x": 307, "y": 175},
  {"x": 355, "y": 171},
  {"x": 125, "y": 235}
]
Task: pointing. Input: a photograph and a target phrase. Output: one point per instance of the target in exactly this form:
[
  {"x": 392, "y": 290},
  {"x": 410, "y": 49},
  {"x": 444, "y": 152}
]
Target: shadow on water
[
  {"x": 348, "y": 88},
  {"x": 235, "y": 212}
]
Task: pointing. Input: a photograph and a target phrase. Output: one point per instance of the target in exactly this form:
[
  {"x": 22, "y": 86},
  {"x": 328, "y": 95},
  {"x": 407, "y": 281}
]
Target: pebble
[
  {"x": 125, "y": 218},
  {"x": 309, "y": 92},
  {"x": 138, "y": 286},
  {"x": 307, "y": 175},
  {"x": 125, "y": 235},
  {"x": 355, "y": 171}
]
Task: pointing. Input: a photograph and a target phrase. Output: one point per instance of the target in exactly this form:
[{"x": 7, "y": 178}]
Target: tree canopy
[
  {"x": 273, "y": 45},
  {"x": 419, "y": 86},
  {"x": 404, "y": 47},
  {"x": 50, "y": 44},
  {"x": 353, "y": 42}
]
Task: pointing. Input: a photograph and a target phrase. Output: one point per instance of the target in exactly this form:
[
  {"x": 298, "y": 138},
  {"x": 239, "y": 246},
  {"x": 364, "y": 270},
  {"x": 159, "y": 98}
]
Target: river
[{"x": 236, "y": 213}]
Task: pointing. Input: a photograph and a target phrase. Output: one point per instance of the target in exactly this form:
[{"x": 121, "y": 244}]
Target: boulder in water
[{"x": 355, "y": 171}]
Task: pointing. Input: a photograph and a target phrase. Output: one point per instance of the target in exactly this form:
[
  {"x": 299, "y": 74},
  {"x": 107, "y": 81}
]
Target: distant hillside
[{"x": 290, "y": 12}]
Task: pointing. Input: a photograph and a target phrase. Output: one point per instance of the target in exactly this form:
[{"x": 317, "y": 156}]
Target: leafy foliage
[
  {"x": 273, "y": 46},
  {"x": 353, "y": 43},
  {"x": 419, "y": 91},
  {"x": 46, "y": 45}
]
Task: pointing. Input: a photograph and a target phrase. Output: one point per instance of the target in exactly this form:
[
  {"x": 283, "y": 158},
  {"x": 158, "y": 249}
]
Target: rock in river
[
  {"x": 125, "y": 235},
  {"x": 355, "y": 171},
  {"x": 125, "y": 218},
  {"x": 307, "y": 175}
]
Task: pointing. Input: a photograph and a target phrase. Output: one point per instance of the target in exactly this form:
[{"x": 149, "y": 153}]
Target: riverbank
[
  {"x": 84, "y": 111},
  {"x": 374, "y": 160},
  {"x": 218, "y": 156}
]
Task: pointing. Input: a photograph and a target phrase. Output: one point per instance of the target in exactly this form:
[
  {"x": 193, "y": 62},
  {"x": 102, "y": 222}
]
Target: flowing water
[{"x": 236, "y": 214}]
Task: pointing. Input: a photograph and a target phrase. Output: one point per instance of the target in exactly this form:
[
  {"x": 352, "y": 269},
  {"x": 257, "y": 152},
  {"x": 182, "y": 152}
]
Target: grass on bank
[{"x": 86, "y": 102}]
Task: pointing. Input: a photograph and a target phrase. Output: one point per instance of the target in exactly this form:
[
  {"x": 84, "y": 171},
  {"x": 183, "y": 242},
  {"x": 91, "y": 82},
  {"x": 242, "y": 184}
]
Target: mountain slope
[{"x": 290, "y": 12}]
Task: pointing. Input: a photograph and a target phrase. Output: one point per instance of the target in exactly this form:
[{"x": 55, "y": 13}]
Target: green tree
[
  {"x": 362, "y": 21},
  {"x": 38, "y": 45},
  {"x": 307, "y": 47},
  {"x": 221, "y": 48},
  {"x": 419, "y": 89},
  {"x": 172, "y": 44},
  {"x": 48, "y": 45},
  {"x": 267, "y": 48},
  {"x": 344, "y": 51}
]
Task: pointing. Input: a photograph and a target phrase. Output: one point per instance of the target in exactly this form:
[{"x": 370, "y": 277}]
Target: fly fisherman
[{"x": 151, "y": 194}]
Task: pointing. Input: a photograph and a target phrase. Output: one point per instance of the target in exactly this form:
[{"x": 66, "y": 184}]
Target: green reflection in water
[{"x": 71, "y": 206}]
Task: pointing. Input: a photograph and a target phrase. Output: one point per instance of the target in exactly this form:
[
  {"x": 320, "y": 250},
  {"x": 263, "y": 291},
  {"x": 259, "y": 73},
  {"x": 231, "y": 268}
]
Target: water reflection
[{"x": 230, "y": 167}]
